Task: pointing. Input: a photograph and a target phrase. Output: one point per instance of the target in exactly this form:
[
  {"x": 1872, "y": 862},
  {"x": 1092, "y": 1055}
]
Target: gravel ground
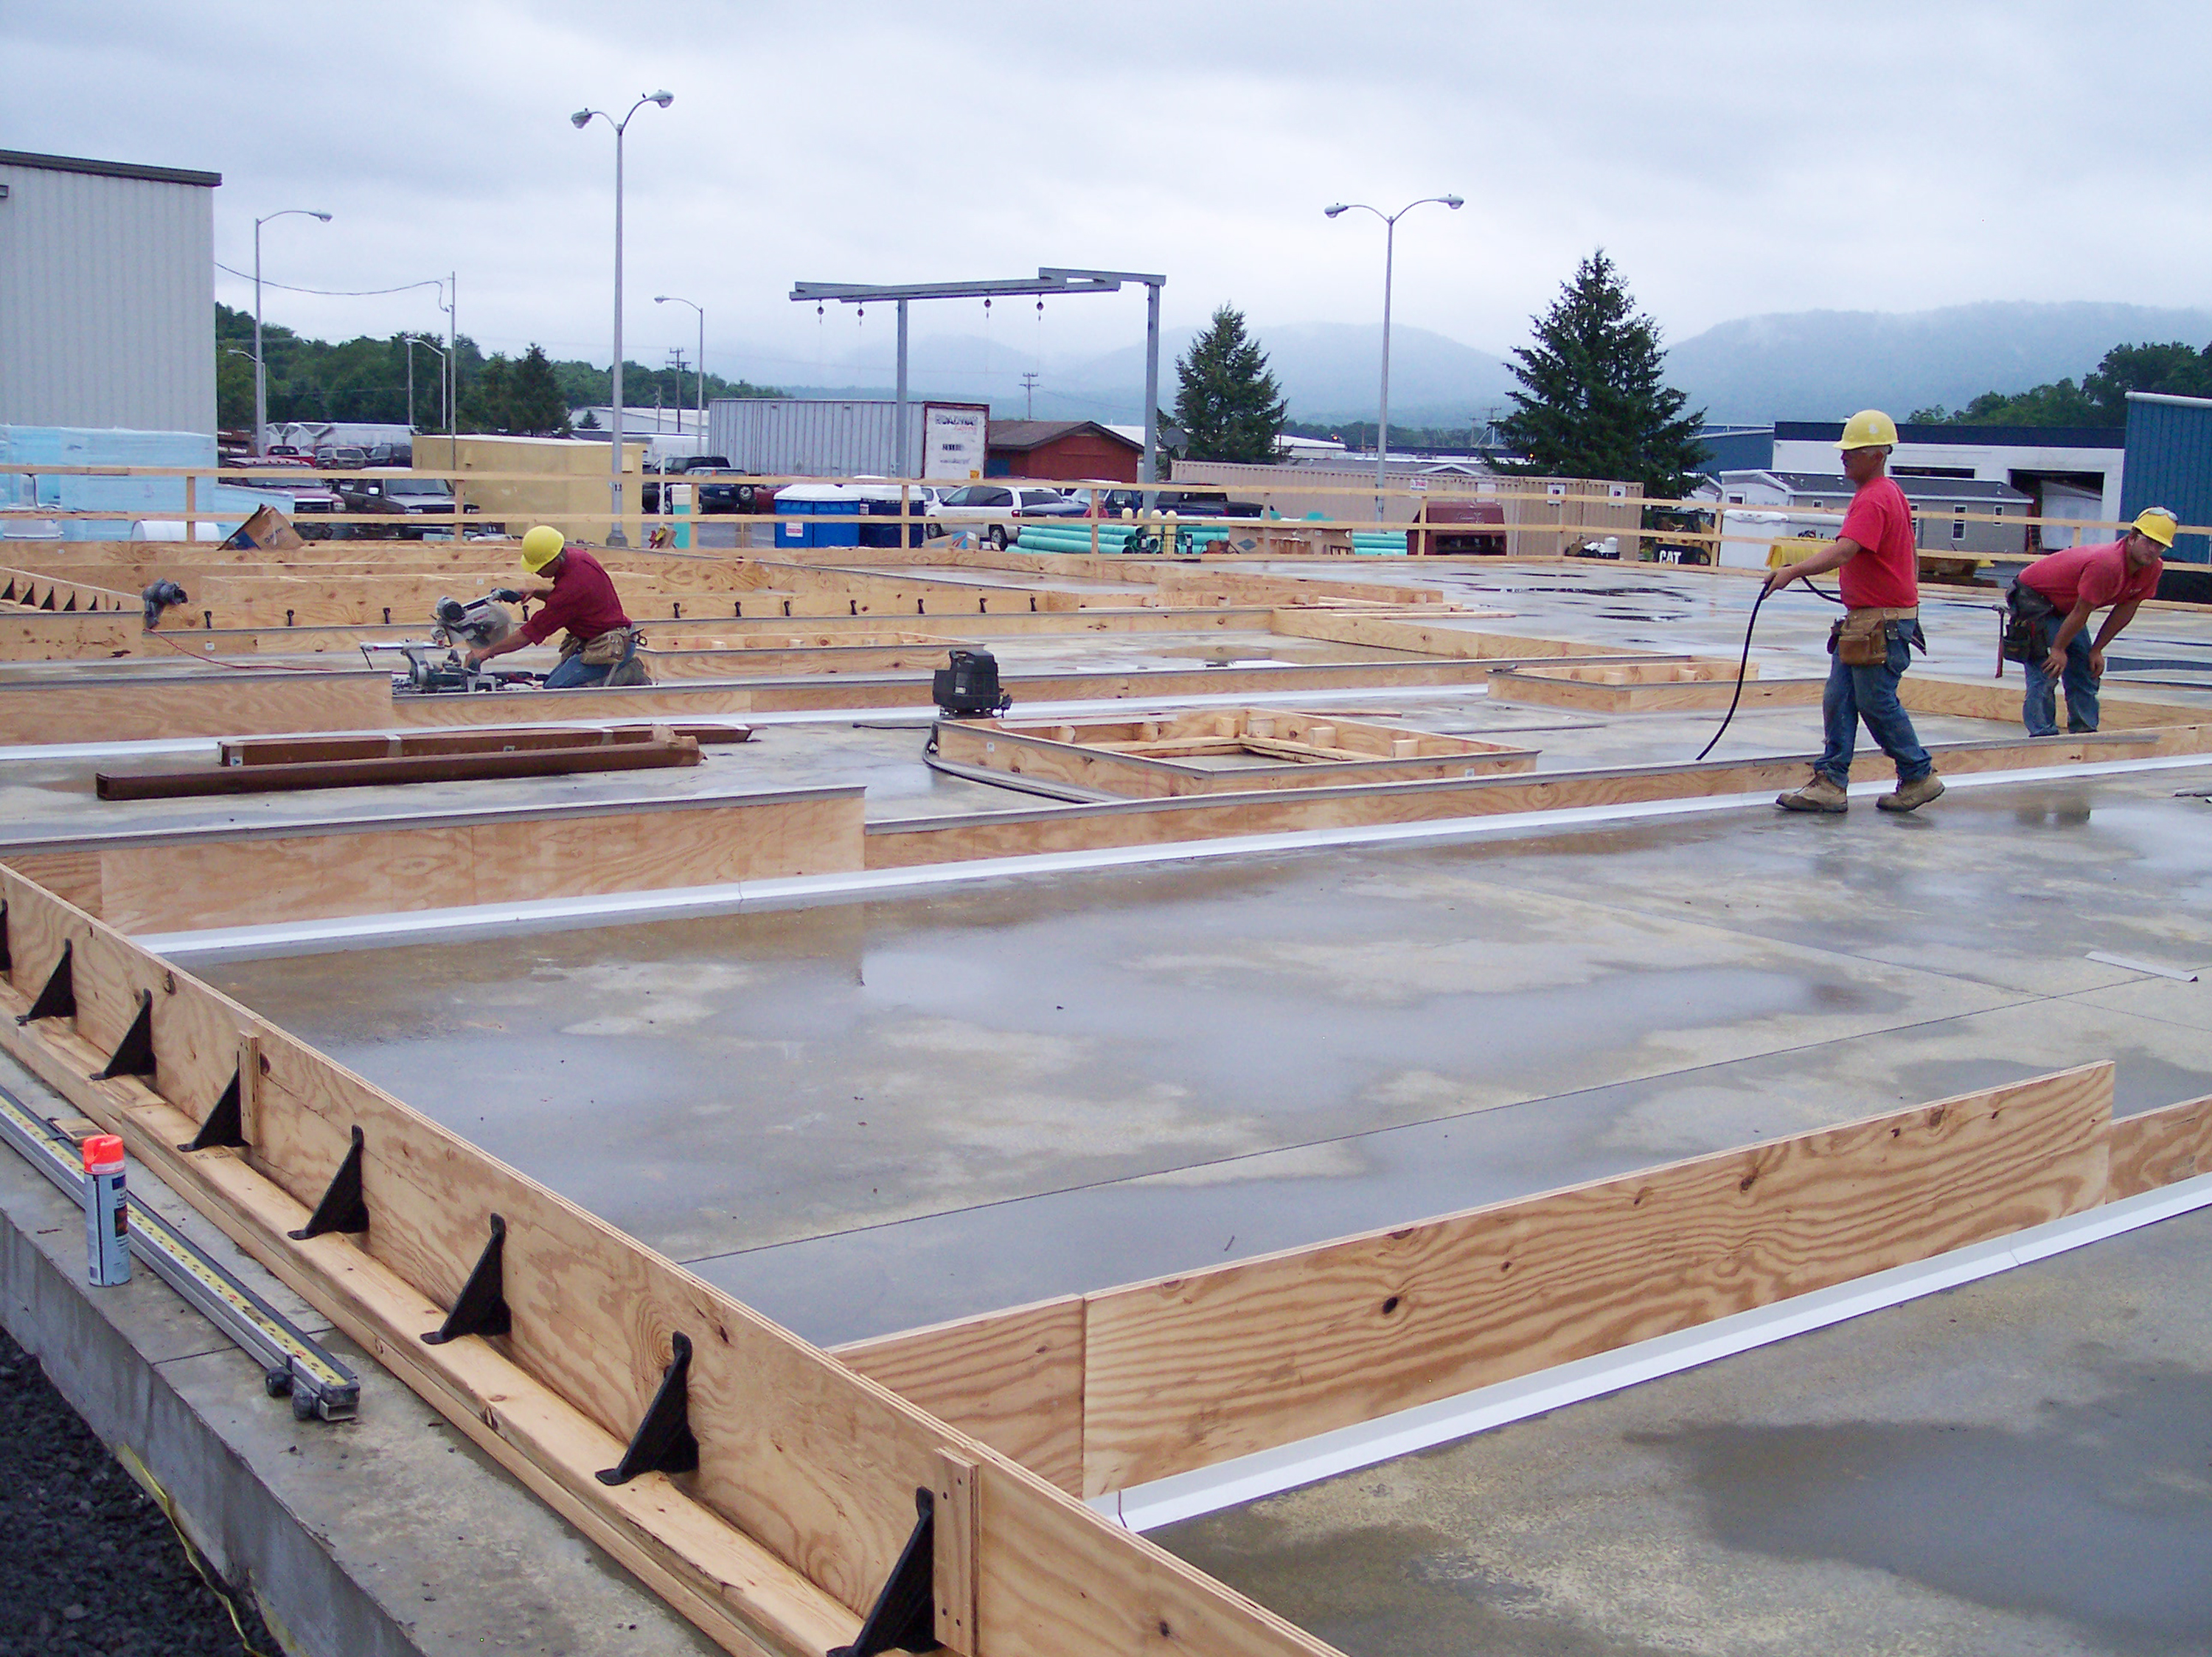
[{"x": 88, "y": 1563}]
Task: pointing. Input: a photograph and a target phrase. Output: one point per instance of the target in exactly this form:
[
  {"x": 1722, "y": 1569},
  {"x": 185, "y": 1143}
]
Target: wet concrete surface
[
  {"x": 2021, "y": 1467},
  {"x": 869, "y": 1115}
]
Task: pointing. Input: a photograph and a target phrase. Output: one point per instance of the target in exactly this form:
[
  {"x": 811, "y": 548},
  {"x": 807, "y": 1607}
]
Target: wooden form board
[
  {"x": 207, "y": 703},
  {"x": 1288, "y": 751},
  {"x": 1164, "y": 821},
  {"x": 27, "y": 589},
  {"x": 1540, "y": 687},
  {"x": 805, "y": 1494},
  {"x": 1149, "y": 1379},
  {"x": 44, "y": 637},
  {"x": 221, "y": 877},
  {"x": 1426, "y": 637}
]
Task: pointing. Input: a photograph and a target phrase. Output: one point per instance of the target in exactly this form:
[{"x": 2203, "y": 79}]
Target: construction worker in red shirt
[
  {"x": 601, "y": 645},
  {"x": 1872, "y": 645},
  {"x": 2054, "y": 597}
]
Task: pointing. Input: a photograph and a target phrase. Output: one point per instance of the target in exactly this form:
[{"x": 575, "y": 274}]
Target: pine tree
[
  {"x": 487, "y": 398},
  {"x": 1229, "y": 406},
  {"x": 535, "y": 404},
  {"x": 1597, "y": 404}
]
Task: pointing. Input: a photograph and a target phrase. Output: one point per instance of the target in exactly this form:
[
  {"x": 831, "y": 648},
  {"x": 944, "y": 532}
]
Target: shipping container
[{"x": 791, "y": 437}]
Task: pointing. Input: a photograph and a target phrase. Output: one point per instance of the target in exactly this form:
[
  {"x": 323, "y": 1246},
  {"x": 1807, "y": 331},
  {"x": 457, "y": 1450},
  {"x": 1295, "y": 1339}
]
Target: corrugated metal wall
[
  {"x": 2170, "y": 465},
  {"x": 786, "y": 436},
  {"x": 106, "y": 301}
]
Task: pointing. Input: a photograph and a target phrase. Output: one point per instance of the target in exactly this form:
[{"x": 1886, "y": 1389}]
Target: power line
[{"x": 332, "y": 293}]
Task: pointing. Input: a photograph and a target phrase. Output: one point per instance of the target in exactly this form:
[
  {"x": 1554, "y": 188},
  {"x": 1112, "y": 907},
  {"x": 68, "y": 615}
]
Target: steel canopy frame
[{"x": 1049, "y": 279}]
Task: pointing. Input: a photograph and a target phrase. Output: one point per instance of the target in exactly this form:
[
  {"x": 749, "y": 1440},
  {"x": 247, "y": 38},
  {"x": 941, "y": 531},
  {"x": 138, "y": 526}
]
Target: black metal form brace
[
  {"x": 58, "y": 999},
  {"x": 904, "y": 1616},
  {"x": 663, "y": 1443},
  {"x": 482, "y": 1308},
  {"x": 342, "y": 1208},
  {"x": 225, "y": 1125},
  {"x": 134, "y": 1054},
  {"x": 7, "y": 961}
]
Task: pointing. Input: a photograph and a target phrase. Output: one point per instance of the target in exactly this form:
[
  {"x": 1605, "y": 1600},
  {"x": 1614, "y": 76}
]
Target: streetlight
[
  {"x": 671, "y": 299},
  {"x": 1389, "y": 249},
  {"x": 579, "y": 121},
  {"x": 413, "y": 340},
  {"x": 260, "y": 370}
]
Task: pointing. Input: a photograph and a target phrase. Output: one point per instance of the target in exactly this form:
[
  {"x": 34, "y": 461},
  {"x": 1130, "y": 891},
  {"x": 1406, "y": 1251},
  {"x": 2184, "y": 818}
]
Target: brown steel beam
[
  {"x": 423, "y": 767},
  {"x": 291, "y": 749}
]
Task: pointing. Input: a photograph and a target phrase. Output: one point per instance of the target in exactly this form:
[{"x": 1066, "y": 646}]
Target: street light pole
[
  {"x": 1389, "y": 257},
  {"x": 260, "y": 374},
  {"x": 581, "y": 119},
  {"x": 699, "y": 368},
  {"x": 413, "y": 340}
]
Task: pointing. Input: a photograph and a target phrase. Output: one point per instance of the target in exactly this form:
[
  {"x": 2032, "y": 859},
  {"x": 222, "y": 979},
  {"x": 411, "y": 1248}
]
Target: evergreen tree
[
  {"x": 535, "y": 403},
  {"x": 1229, "y": 406},
  {"x": 487, "y": 397},
  {"x": 1596, "y": 403}
]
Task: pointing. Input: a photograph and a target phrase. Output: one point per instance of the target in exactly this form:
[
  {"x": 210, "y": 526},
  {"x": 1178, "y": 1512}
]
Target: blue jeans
[
  {"x": 2038, "y": 710},
  {"x": 573, "y": 674},
  {"x": 1870, "y": 693}
]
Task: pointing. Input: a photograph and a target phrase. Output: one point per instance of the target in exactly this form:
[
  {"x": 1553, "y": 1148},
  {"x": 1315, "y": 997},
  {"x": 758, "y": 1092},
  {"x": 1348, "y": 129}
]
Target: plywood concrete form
[
  {"x": 1133, "y": 759},
  {"x": 219, "y": 877},
  {"x": 805, "y": 1489}
]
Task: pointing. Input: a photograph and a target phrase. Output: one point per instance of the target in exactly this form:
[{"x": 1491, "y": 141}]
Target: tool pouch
[
  {"x": 608, "y": 647},
  {"x": 2024, "y": 608},
  {"x": 1860, "y": 640}
]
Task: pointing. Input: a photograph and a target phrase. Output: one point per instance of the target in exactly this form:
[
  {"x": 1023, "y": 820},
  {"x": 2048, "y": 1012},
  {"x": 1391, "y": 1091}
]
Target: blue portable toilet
[{"x": 831, "y": 501}]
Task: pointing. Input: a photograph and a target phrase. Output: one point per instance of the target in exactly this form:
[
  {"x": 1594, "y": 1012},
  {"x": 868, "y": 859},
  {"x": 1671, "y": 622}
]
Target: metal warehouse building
[
  {"x": 106, "y": 294},
  {"x": 2170, "y": 464}
]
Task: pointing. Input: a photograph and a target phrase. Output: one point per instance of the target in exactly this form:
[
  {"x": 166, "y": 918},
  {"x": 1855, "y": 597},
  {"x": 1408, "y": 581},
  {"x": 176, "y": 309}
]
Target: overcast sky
[{"x": 1734, "y": 158}]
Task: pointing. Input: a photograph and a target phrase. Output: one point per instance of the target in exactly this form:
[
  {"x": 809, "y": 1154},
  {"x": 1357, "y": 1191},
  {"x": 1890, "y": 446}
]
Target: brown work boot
[
  {"x": 1911, "y": 796},
  {"x": 1818, "y": 794}
]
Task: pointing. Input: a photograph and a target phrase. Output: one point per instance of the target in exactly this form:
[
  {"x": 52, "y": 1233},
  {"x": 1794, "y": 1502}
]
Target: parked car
[
  {"x": 1184, "y": 502},
  {"x": 994, "y": 510},
  {"x": 723, "y": 489},
  {"x": 398, "y": 498},
  {"x": 391, "y": 455},
  {"x": 341, "y": 457}
]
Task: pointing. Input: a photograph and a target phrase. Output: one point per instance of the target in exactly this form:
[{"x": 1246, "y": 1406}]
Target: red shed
[{"x": 1065, "y": 449}]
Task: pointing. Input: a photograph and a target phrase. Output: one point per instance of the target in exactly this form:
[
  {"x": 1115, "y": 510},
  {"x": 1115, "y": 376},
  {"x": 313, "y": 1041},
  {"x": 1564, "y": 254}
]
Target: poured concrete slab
[
  {"x": 2014, "y": 1468},
  {"x": 870, "y": 1116}
]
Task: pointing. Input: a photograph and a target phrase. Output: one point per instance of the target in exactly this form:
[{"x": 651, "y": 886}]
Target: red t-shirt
[
  {"x": 583, "y": 601},
  {"x": 1885, "y": 572},
  {"x": 2098, "y": 574}
]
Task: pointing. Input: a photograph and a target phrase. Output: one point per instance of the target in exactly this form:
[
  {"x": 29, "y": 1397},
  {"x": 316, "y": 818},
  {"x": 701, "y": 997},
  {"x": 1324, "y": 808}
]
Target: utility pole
[
  {"x": 676, "y": 358},
  {"x": 1029, "y": 395}
]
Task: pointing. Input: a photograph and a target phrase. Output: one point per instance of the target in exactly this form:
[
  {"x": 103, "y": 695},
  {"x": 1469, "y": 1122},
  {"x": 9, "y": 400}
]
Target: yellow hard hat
[
  {"x": 541, "y": 546},
  {"x": 1869, "y": 428},
  {"x": 2158, "y": 523}
]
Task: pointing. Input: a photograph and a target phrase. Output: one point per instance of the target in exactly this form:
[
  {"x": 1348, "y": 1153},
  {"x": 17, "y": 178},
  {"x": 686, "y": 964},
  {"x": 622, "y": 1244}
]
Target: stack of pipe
[{"x": 1379, "y": 543}]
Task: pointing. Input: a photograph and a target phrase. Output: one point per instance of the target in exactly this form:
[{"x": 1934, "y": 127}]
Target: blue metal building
[{"x": 2170, "y": 465}]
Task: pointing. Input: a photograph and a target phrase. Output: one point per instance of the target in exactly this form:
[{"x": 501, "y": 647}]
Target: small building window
[{"x": 1958, "y": 524}]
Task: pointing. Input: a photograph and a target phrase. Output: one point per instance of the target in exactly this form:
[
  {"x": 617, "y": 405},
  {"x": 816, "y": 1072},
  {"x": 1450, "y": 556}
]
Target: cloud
[{"x": 1735, "y": 159}]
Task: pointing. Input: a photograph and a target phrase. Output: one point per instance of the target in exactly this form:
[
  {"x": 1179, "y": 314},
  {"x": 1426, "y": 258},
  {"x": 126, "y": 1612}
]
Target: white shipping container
[{"x": 788, "y": 437}]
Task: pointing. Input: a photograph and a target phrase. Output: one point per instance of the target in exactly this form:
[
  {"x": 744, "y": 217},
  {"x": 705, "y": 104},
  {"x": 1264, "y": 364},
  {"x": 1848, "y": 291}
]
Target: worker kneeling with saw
[
  {"x": 601, "y": 648},
  {"x": 1874, "y": 641}
]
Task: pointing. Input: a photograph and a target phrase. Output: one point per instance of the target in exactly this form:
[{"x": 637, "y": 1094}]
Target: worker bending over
[
  {"x": 2054, "y": 598},
  {"x": 601, "y": 645},
  {"x": 1873, "y": 643}
]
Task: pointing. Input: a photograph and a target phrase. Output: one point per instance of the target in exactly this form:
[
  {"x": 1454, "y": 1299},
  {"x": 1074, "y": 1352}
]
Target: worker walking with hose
[{"x": 1872, "y": 645}]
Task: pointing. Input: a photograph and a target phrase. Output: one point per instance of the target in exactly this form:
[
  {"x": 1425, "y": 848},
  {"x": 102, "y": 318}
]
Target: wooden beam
[
  {"x": 805, "y": 1494},
  {"x": 122, "y": 709},
  {"x": 182, "y": 880},
  {"x": 1013, "y": 1379}
]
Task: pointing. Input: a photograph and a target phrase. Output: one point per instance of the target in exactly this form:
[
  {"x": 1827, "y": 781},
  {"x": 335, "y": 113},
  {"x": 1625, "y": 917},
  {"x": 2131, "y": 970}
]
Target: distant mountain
[
  {"x": 1823, "y": 365},
  {"x": 1803, "y": 365},
  {"x": 1328, "y": 371}
]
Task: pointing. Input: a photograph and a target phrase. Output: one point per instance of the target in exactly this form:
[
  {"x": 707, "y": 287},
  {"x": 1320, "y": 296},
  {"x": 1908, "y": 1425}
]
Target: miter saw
[{"x": 457, "y": 626}]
